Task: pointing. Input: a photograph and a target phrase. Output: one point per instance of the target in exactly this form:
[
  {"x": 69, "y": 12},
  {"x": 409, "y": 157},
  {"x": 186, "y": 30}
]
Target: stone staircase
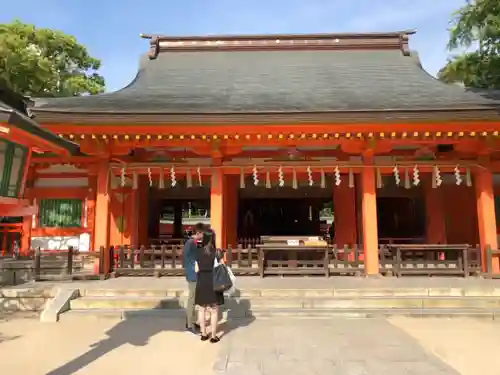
[{"x": 296, "y": 303}]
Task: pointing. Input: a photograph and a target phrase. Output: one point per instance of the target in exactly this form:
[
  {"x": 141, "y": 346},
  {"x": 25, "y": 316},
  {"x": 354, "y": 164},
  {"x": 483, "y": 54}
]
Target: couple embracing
[{"x": 200, "y": 255}]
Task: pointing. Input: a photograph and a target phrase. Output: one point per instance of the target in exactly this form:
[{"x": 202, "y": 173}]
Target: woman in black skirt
[{"x": 206, "y": 298}]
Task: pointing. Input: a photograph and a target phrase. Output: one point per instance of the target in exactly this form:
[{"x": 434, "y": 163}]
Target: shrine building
[{"x": 269, "y": 135}]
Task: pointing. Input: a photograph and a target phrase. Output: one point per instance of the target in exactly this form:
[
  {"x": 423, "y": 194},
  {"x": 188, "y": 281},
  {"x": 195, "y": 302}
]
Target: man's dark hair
[{"x": 199, "y": 228}]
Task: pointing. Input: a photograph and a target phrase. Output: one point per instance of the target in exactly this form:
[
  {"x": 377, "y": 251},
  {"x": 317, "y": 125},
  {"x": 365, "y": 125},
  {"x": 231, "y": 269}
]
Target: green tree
[
  {"x": 475, "y": 24},
  {"x": 46, "y": 63}
]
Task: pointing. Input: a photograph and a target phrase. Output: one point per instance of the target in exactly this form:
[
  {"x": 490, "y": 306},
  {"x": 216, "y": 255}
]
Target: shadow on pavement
[{"x": 129, "y": 332}]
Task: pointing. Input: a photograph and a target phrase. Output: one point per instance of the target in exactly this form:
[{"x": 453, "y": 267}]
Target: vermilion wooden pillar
[
  {"x": 369, "y": 220},
  {"x": 486, "y": 218},
  {"x": 218, "y": 203},
  {"x": 231, "y": 210},
  {"x": 434, "y": 210},
  {"x": 102, "y": 211},
  {"x": 344, "y": 207}
]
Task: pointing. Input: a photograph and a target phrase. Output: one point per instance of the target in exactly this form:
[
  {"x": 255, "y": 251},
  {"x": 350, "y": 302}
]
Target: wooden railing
[{"x": 10, "y": 238}]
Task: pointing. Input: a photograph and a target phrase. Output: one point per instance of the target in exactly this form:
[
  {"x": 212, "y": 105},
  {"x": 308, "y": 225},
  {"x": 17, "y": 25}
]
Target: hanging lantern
[
  {"x": 268, "y": 180},
  {"x": 397, "y": 178},
  {"x": 242, "y": 179},
  {"x": 310, "y": 176},
  {"x": 437, "y": 176},
  {"x": 189, "y": 178},
  {"x": 294, "y": 179},
  {"x": 351, "y": 178},
  {"x": 255, "y": 175},
  {"x": 379, "y": 179},
  {"x": 337, "y": 176},
  {"x": 198, "y": 173},
  {"x": 323, "y": 179},
  {"x": 468, "y": 178},
  {"x": 458, "y": 177},
  {"x": 407, "y": 179},
  {"x": 161, "y": 183},
  {"x": 122, "y": 177},
  {"x": 173, "y": 179},
  {"x": 416, "y": 176},
  {"x": 150, "y": 177},
  {"x": 281, "y": 178}
]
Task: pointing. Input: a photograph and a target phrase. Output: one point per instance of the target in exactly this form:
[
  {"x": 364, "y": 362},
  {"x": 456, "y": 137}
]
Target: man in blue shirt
[{"x": 190, "y": 250}]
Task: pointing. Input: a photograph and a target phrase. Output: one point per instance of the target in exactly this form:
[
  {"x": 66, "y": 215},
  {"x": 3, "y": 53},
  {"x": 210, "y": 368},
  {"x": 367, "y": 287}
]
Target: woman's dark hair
[{"x": 208, "y": 241}]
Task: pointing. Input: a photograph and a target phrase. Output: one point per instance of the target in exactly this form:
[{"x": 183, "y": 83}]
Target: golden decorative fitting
[
  {"x": 269, "y": 136},
  {"x": 104, "y": 136},
  {"x": 60, "y": 135},
  {"x": 193, "y": 136},
  {"x": 484, "y": 134},
  {"x": 259, "y": 136},
  {"x": 127, "y": 137},
  {"x": 427, "y": 134},
  {"x": 148, "y": 137},
  {"x": 393, "y": 134},
  {"x": 137, "y": 137},
  {"x": 203, "y": 137},
  {"x": 82, "y": 136},
  {"x": 359, "y": 135},
  {"x": 438, "y": 134},
  {"x": 93, "y": 136},
  {"x": 280, "y": 136},
  {"x": 247, "y": 136},
  {"x": 336, "y": 135},
  {"x": 215, "y": 136},
  {"x": 472, "y": 134},
  {"x": 382, "y": 135},
  {"x": 291, "y": 136},
  {"x": 315, "y": 136},
  {"x": 495, "y": 133},
  {"x": 71, "y": 136},
  {"x": 415, "y": 134},
  {"x": 348, "y": 135},
  {"x": 460, "y": 134},
  {"x": 404, "y": 135},
  {"x": 181, "y": 136},
  {"x": 115, "y": 136},
  {"x": 302, "y": 136},
  {"x": 450, "y": 134},
  {"x": 370, "y": 135},
  {"x": 170, "y": 136},
  {"x": 226, "y": 136},
  {"x": 159, "y": 136},
  {"x": 236, "y": 136}
]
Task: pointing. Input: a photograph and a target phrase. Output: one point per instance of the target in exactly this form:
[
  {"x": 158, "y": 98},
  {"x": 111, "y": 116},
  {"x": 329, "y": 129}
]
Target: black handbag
[{"x": 222, "y": 281}]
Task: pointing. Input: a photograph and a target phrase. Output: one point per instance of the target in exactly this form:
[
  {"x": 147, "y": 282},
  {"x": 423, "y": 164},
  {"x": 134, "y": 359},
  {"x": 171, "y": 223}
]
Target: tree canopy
[
  {"x": 476, "y": 24},
  {"x": 46, "y": 63}
]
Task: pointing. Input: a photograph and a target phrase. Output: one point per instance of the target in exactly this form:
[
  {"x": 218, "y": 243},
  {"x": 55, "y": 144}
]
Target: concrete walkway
[{"x": 263, "y": 347}]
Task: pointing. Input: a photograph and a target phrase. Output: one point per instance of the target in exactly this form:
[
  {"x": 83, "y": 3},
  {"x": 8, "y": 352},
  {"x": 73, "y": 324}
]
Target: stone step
[
  {"x": 325, "y": 292},
  {"x": 139, "y": 303},
  {"x": 125, "y": 314}
]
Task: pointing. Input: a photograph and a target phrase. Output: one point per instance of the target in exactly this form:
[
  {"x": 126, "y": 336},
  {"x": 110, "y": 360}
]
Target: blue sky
[{"x": 110, "y": 28}]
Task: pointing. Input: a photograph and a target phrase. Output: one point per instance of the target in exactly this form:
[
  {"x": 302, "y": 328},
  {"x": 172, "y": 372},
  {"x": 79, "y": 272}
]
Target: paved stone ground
[
  {"x": 343, "y": 347},
  {"x": 399, "y": 346}
]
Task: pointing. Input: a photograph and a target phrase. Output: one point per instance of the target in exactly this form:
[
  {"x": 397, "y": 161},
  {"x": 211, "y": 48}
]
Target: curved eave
[{"x": 479, "y": 113}]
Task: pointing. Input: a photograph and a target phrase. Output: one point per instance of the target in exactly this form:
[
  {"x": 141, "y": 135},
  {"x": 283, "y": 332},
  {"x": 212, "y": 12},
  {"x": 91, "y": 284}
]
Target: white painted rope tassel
[
  {"x": 397, "y": 177},
  {"x": 255, "y": 175},
  {"x": 242, "y": 179},
  {"x": 468, "y": 178},
  {"x": 281, "y": 177},
  {"x": 161, "y": 183},
  {"x": 379, "y": 179},
  {"x": 437, "y": 175},
  {"x": 150, "y": 177},
  {"x": 416, "y": 176},
  {"x": 173, "y": 179},
  {"x": 458, "y": 177},
  {"x": 337, "y": 176},
  {"x": 323, "y": 179},
  {"x": 351, "y": 178},
  {"x": 198, "y": 173},
  {"x": 310, "y": 176},
  {"x": 122, "y": 177},
  {"x": 407, "y": 179},
  {"x": 294, "y": 179}
]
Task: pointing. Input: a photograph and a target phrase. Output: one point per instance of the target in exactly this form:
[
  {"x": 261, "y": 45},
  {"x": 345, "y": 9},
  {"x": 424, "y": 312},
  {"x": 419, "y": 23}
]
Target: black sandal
[
  {"x": 214, "y": 340},
  {"x": 204, "y": 338}
]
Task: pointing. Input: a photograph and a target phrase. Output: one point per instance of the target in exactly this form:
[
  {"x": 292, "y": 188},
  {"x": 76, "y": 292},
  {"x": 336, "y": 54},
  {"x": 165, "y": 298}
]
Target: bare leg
[
  {"x": 214, "y": 318},
  {"x": 201, "y": 320}
]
